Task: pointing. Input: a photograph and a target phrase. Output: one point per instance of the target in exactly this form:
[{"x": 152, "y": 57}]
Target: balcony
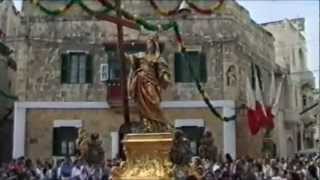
[
  {"x": 309, "y": 112},
  {"x": 114, "y": 95},
  {"x": 291, "y": 116},
  {"x": 308, "y": 118},
  {"x": 307, "y": 78}
]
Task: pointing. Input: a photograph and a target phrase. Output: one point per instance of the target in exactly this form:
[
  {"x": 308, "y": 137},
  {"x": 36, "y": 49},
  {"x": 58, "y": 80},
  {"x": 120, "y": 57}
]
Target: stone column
[
  {"x": 229, "y": 131},
  {"x": 114, "y": 144}
]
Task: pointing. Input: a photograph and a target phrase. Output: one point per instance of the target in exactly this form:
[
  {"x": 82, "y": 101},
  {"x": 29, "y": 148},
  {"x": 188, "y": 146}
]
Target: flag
[
  {"x": 260, "y": 108},
  {"x": 275, "y": 106},
  {"x": 253, "y": 119},
  {"x": 268, "y": 123}
]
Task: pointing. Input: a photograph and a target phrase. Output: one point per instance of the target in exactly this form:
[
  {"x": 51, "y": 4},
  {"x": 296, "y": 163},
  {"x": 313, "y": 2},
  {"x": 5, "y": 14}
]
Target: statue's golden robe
[{"x": 150, "y": 75}]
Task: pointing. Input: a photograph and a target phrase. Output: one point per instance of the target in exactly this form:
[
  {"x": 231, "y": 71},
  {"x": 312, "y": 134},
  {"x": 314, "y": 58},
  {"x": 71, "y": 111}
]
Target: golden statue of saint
[{"x": 148, "y": 77}]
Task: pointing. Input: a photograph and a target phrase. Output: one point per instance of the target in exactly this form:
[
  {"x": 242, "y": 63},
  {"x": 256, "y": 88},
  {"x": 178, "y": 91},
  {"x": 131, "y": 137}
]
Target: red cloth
[
  {"x": 269, "y": 124},
  {"x": 263, "y": 119},
  {"x": 257, "y": 119},
  {"x": 253, "y": 121}
]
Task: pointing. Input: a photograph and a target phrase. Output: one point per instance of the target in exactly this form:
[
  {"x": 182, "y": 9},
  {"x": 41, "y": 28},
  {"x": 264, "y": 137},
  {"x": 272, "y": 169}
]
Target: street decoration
[
  {"x": 213, "y": 9},
  {"x": 260, "y": 114},
  {"x": 153, "y": 27},
  {"x": 162, "y": 12},
  {"x": 8, "y": 96},
  {"x": 145, "y": 25},
  {"x": 61, "y": 11},
  {"x": 140, "y": 22}
]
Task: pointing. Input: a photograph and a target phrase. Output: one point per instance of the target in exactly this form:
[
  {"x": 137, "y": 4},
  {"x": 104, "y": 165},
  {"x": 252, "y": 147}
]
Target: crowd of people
[
  {"x": 66, "y": 169},
  {"x": 296, "y": 168}
]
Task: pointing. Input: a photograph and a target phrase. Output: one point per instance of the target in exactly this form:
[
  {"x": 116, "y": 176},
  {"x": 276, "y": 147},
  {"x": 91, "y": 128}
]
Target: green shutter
[
  {"x": 195, "y": 62},
  {"x": 177, "y": 67},
  {"x": 65, "y": 63},
  {"x": 203, "y": 67},
  {"x": 89, "y": 69}
]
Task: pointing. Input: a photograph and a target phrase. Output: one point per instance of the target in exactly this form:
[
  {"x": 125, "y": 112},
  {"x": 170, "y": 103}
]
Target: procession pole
[{"x": 120, "y": 53}]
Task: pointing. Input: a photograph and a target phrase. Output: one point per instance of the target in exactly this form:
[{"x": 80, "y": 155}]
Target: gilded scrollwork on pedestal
[
  {"x": 145, "y": 167},
  {"x": 147, "y": 157}
]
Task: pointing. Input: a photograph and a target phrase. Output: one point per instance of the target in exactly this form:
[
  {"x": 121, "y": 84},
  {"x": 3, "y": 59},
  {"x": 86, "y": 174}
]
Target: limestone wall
[
  {"x": 9, "y": 25},
  {"x": 49, "y": 37},
  {"x": 39, "y": 134}
]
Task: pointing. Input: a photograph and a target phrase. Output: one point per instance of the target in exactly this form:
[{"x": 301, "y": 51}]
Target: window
[
  {"x": 64, "y": 141},
  {"x": 114, "y": 64},
  {"x": 304, "y": 100},
  {"x": 193, "y": 133},
  {"x": 301, "y": 57},
  {"x": 293, "y": 58},
  {"x": 296, "y": 97},
  {"x": 193, "y": 129},
  {"x": 76, "y": 68},
  {"x": 198, "y": 64},
  {"x": 114, "y": 94}
]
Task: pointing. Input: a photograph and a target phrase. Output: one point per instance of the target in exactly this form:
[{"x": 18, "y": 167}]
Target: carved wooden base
[{"x": 147, "y": 157}]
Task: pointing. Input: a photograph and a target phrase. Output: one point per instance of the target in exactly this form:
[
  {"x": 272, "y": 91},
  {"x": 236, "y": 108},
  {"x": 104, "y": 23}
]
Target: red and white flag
[
  {"x": 269, "y": 124},
  {"x": 275, "y": 106},
  {"x": 253, "y": 119},
  {"x": 260, "y": 108},
  {"x": 273, "y": 102},
  {"x": 259, "y": 115}
]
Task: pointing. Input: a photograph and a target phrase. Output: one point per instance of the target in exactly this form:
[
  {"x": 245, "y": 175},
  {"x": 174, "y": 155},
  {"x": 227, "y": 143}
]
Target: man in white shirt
[{"x": 76, "y": 171}]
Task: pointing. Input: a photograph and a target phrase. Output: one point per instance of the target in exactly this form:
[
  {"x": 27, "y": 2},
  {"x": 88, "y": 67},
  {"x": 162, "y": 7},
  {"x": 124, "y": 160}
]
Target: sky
[{"x": 272, "y": 10}]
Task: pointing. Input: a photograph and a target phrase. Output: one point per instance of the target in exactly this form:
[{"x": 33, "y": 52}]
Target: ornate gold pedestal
[{"x": 147, "y": 157}]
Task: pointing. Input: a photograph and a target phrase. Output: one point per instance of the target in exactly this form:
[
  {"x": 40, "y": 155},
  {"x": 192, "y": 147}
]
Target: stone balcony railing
[
  {"x": 307, "y": 77},
  {"x": 308, "y": 118},
  {"x": 291, "y": 116}
]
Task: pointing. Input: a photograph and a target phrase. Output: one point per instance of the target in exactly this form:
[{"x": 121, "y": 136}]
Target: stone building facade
[
  {"x": 290, "y": 134},
  {"x": 9, "y": 23},
  {"x": 51, "y": 103}
]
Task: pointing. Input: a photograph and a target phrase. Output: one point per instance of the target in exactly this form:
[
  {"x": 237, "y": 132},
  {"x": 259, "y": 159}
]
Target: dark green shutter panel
[
  {"x": 89, "y": 69},
  {"x": 64, "y": 68},
  {"x": 195, "y": 61},
  {"x": 56, "y": 145},
  {"x": 203, "y": 68},
  {"x": 177, "y": 67}
]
